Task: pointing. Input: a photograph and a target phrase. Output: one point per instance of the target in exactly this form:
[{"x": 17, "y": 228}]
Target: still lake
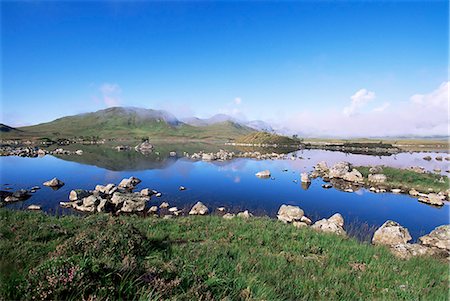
[{"x": 231, "y": 184}]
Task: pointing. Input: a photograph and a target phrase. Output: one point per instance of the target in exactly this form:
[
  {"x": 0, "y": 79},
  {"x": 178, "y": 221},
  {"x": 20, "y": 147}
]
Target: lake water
[{"x": 231, "y": 184}]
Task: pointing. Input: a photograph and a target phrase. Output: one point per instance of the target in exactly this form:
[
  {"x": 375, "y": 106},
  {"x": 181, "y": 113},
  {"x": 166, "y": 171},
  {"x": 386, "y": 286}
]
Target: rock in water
[
  {"x": 54, "y": 183},
  {"x": 129, "y": 183},
  {"x": 289, "y": 214},
  {"x": 199, "y": 209},
  {"x": 78, "y": 194},
  {"x": 432, "y": 199},
  {"x": 263, "y": 174},
  {"x": 391, "y": 233},
  {"x": 339, "y": 170},
  {"x": 353, "y": 176},
  {"x": 304, "y": 178}
]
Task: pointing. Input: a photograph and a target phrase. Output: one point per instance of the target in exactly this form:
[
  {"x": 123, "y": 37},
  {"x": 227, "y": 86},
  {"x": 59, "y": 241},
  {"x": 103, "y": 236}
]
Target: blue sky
[{"x": 291, "y": 63}]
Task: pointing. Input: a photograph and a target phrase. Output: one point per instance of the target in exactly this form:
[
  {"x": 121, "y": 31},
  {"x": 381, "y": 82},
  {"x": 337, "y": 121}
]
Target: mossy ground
[
  {"x": 200, "y": 258},
  {"x": 406, "y": 179}
]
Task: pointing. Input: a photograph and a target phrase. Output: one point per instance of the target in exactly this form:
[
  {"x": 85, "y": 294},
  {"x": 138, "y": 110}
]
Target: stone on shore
[
  {"x": 199, "y": 209},
  {"x": 245, "y": 214},
  {"x": 377, "y": 178},
  {"x": 108, "y": 189},
  {"x": 164, "y": 205},
  {"x": 339, "y": 170},
  {"x": 228, "y": 215},
  {"x": 432, "y": 199},
  {"x": 391, "y": 233},
  {"x": 153, "y": 209},
  {"x": 289, "y": 214},
  {"x": 34, "y": 207},
  {"x": 438, "y": 238},
  {"x": 335, "y": 224}
]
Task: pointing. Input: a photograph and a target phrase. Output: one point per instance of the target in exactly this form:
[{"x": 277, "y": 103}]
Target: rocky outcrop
[
  {"x": 54, "y": 183},
  {"x": 353, "y": 176},
  {"x": 289, "y": 214},
  {"x": 335, "y": 224},
  {"x": 108, "y": 189},
  {"x": 391, "y": 233},
  {"x": 339, "y": 170},
  {"x": 129, "y": 202},
  {"x": 199, "y": 209},
  {"x": 396, "y": 237},
  {"x": 78, "y": 194}
]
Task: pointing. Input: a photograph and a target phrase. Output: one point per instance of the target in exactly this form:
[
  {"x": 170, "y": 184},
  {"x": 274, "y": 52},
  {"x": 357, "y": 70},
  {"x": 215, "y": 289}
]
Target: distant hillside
[
  {"x": 266, "y": 138},
  {"x": 119, "y": 122},
  {"x": 7, "y": 129},
  {"x": 258, "y": 125}
]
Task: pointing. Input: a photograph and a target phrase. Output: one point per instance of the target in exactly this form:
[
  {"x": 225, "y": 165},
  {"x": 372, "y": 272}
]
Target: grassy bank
[
  {"x": 406, "y": 179},
  {"x": 199, "y": 258}
]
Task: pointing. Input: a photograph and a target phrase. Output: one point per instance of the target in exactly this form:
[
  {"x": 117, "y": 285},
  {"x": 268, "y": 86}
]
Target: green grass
[
  {"x": 406, "y": 179},
  {"x": 199, "y": 258},
  {"x": 266, "y": 138}
]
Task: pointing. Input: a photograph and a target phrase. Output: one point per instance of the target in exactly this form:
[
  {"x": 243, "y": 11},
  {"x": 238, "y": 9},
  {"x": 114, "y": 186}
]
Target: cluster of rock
[
  {"x": 396, "y": 237},
  {"x": 223, "y": 155},
  {"x": 33, "y": 152},
  {"x": 295, "y": 215},
  {"x": 110, "y": 198},
  {"x": 438, "y": 158},
  {"x": 346, "y": 178}
]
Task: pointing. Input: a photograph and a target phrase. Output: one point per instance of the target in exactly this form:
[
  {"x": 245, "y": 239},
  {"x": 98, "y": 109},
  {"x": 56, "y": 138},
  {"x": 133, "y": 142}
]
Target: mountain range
[{"x": 133, "y": 122}]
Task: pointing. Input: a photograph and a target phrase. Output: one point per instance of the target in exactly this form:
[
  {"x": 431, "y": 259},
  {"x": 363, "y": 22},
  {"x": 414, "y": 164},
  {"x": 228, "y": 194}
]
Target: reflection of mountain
[{"x": 110, "y": 159}]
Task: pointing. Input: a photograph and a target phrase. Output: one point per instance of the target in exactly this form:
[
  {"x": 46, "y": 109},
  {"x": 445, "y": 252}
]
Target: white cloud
[
  {"x": 382, "y": 108},
  {"x": 111, "y": 94},
  {"x": 359, "y": 100},
  {"x": 238, "y": 100},
  {"x": 421, "y": 115}
]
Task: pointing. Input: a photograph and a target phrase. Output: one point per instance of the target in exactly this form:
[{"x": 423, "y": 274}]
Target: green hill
[
  {"x": 266, "y": 138},
  {"x": 119, "y": 122}
]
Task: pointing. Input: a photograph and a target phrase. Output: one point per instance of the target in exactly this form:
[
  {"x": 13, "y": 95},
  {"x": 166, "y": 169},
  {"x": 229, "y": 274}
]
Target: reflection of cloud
[
  {"x": 237, "y": 179},
  {"x": 112, "y": 176},
  {"x": 359, "y": 192}
]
